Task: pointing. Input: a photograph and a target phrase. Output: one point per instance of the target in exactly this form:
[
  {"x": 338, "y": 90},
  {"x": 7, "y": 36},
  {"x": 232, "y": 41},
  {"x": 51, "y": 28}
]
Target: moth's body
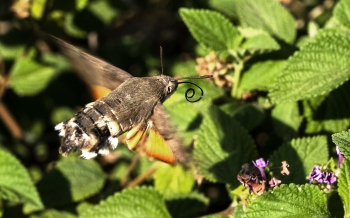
[
  {"x": 134, "y": 105},
  {"x": 96, "y": 127}
]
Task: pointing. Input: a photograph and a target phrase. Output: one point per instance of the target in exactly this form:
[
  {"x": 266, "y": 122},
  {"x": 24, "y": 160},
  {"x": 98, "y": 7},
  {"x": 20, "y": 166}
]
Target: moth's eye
[{"x": 169, "y": 89}]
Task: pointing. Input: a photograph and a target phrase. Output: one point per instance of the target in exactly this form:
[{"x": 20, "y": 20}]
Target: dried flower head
[
  {"x": 274, "y": 182},
  {"x": 21, "y": 8},
  {"x": 212, "y": 65},
  {"x": 284, "y": 168}
]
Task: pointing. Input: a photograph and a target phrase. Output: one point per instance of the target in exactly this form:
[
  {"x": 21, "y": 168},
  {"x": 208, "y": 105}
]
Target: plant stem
[{"x": 237, "y": 76}]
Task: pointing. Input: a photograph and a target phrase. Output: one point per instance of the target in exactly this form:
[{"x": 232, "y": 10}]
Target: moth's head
[{"x": 170, "y": 86}]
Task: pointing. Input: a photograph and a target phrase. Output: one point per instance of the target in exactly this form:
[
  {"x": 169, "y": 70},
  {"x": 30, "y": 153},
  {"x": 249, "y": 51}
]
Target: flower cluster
[
  {"x": 322, "y": 177},
  {"x": 255, "y": 178},
  {"x": 212, "y": 65}
]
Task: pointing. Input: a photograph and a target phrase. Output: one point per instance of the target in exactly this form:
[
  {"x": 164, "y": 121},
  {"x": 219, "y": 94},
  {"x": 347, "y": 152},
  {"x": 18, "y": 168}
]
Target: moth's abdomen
[{"x": 92, "y": 130}]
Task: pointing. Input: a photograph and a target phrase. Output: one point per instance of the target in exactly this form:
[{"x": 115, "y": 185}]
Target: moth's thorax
[{"x": 143, "y": 88}]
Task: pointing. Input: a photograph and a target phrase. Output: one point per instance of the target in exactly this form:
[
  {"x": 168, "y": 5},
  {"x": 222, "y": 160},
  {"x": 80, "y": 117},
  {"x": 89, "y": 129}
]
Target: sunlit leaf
[
  {"x": 37, "y": 8},
  {"x": 169, "y": 180},
  {"x": 15, "y": 183},
  {"x": 290, "y": 201},
  {"x": 134, "y": 202},
  {"x": 342, "y": 139},
  {"x": 344, "y": 184},
  {"x": 342, "y": 13},
  {"x": 28, "y": 77},
  {"x": 211, "y": 29},
  {"x": 267, "y": 15},
  {"x": 258, "y": 41},
  {"x": 319, "y": 67},
  {"x": 261, "y": 76}
]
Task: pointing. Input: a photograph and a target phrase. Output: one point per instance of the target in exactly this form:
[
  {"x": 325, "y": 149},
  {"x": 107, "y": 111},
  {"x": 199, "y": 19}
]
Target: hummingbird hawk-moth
[{"x": 134, "y": 106}]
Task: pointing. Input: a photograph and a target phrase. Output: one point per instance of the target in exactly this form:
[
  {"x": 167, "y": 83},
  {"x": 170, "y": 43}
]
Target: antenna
[{"x": 161, "y": 58}]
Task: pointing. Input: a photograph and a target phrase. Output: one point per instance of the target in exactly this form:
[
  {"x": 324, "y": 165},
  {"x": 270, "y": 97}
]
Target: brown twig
[
  {"x": 10, "y": 121},
  {"x": 130, "y": 168},
  {"x": 143, "y": 176}
]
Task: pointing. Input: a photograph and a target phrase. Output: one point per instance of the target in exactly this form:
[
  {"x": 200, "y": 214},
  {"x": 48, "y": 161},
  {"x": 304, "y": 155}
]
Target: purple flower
[
  {"x": 329, "y": 178},
  {"x": 340, "y": 156},
  {"x": 260, "y": 164},
  {"x": 322, "y": 177},
  {"x": 316, "y": 174}
]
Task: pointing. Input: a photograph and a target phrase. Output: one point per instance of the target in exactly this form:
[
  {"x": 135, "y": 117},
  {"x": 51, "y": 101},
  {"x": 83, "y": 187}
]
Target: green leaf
[
  {"x": 286, "y": 120},
  {"x": 258, "y": 41},
  {"x": 71, "y": 180},
  {"x": 169, "y": 180},
  {"x": 29, "y": 77},
  {"x": 267, "y": 15},
  {"x": 342, "y": 13},
  {"x": 290, "y": 201},
  {"x": 15, "y": 183},
  {"x": 80, "y": 4},
  {"x": 71, "y": 28},
  {"x": 12, "y": 44},
  {"x": 214, "y": 216},
  {"x": 328, "y": 113},
  {"x": 222, "y": 147},
  {"x": 228, "y": 7},
  {"x": 103, "y": 11},
  {"x": 133, "y": 202},
  {"x": 248, "y": 115},
  {"x": 344, "y": 185},
  {"x": 37, "y": 8},
  {"x": 187, "y": 116},
  {"x": 342, "y": 140},
  {"x": 261, "y": 76},
  {"x": 238, "y": 211},
  {"x": 211, "y": 29},
  {"x": 301, "y": 155},
  {"x": 335, "y": 204},
  {"x": 61, "y": 114},
  {"x": 182, "y": 69},
  {"x": 319, "y": 67},
  {"x": 187, "y": 205},
  {"x": 52, "y": 213}
]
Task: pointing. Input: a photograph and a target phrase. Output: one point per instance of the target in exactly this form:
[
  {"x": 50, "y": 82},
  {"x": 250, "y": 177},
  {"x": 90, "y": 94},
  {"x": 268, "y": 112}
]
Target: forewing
[{"x": 91, "y": 69}]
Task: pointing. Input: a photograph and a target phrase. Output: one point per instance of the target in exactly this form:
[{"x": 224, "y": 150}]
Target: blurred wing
[
  {"x": 92, "y": 70},
  {"x": 162, "y": 127}
]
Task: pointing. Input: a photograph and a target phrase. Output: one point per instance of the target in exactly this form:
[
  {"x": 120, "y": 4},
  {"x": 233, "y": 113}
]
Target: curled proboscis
[{"x": 190, "y": 93}]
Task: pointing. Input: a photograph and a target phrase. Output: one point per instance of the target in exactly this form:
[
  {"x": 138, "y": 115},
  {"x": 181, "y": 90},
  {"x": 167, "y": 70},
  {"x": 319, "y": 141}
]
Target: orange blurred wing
[
  {"x": 157, "y": 147},
  {"x": 98, "y": 92}
]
